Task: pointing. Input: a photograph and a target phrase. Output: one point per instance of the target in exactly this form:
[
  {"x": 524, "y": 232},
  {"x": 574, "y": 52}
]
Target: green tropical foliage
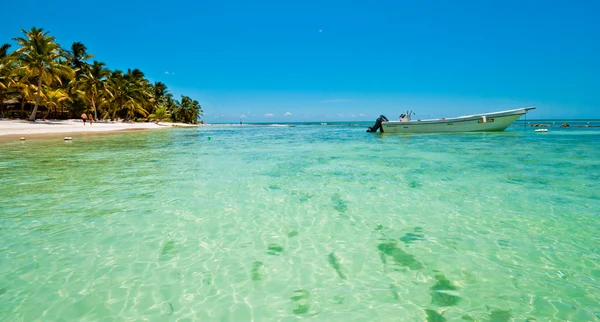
[
  {"x": 160, "y": 114},
  {"x": 6, "y": 71},
  {"x": 77, "y": 57},
  {"x": 159, "y": 96},
  {"x": 39, "y": 59},
  {"x": 40, "y": 74},
  {"x": 93, "y": 83},
  {"x": 54, "y": 98},
  {"x": 187, "y": 111},
  {"x": 4, "y": 50}
]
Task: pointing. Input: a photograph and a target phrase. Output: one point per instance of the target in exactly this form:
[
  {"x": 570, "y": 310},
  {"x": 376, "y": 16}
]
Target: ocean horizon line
[{"x": 366, "y": 121}]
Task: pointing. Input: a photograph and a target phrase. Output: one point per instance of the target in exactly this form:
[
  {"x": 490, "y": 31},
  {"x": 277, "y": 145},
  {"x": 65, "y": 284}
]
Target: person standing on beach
[
  {"x": 91, "y": 118},
  {"x": 84, "y": 118}
]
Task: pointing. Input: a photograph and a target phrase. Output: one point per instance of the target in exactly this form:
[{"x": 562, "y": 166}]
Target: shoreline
[{"x": 14, "y": 130}]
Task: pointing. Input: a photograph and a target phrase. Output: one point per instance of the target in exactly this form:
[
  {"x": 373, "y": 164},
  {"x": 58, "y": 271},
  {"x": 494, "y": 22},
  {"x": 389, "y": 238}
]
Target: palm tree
[
  {"x": 116, "y": 85},
  {"x": 4, "y": 51},
  {"x": 53, "y": 98},
  {"x": 136, "y": 74},
  {"x": 127, "y": 92},
  {"x": 40, "y": 57},
  {"x": 6, "y": 73},
  {"x": 137, "y": 94},
  {"x": 160, "y": 114},
  {"x": 41, "y": 71},
  {"x": 187, "y": 111},
  {"x": 94, "y": 83},
  {"x": 173, "y": 109},
  {"x": 196, "y": 112},
  {"x": 26, "y": 93},
  {"x": 77, "y": 57},
  {"x": 104, "y": 104},
  {"x": 159, "y": 96}
]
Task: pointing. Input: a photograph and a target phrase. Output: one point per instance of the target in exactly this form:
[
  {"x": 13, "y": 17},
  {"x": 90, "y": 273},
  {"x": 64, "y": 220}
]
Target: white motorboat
[{"x": 486, "y": 122}]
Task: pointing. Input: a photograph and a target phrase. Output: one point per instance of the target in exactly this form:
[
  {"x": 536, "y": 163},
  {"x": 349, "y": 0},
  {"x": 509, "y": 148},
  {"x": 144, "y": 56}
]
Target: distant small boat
[{"x": 487, "y": 122}]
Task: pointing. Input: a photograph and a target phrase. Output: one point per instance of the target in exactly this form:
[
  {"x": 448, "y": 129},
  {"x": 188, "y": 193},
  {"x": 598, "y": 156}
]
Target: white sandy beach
[{"x": 40, "y": 128}]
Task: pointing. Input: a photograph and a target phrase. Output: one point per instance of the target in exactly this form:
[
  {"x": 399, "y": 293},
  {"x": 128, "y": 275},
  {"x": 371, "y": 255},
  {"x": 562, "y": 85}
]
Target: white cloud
[
  {"x": 339, "y": 100},
  {"x": 361, "y": 114},
  {"x": 269, "y": 115},
  {"x": 169, "y": 73},
  {"x": 287, "y": 114},
  {"x": 243, "y": 116}
]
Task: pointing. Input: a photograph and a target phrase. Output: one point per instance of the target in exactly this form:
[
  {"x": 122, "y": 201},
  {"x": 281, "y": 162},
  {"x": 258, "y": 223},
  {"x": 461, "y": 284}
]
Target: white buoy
[
  {"x": 68, "y": 138},
  {"x": 541, "y": 130}
]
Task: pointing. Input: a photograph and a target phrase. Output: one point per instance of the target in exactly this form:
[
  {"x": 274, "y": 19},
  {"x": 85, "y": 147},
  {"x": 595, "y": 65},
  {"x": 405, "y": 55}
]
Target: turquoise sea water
[{"x": 323, "y": 223}]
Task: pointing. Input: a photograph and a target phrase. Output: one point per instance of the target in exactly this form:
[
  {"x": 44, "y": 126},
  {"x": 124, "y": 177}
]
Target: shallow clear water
[{"x": 308, "y": 222}]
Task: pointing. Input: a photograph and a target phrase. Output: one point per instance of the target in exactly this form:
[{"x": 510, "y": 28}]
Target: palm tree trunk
[
  {"x": 37, "y": 98},
  {"x": 95, "y": 111},
  {"x": 22, "y": 112},
  {"x": 47, "y": 113}
]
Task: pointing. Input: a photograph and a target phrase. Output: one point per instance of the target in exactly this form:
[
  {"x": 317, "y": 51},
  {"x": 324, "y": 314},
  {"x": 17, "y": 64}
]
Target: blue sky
[{"x": 343, "y": 60}]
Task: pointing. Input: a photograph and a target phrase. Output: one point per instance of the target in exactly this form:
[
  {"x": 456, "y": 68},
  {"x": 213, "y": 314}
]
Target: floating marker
[
  {"x": 209, "y": 138},
  {"x": 68, "y": 138}
]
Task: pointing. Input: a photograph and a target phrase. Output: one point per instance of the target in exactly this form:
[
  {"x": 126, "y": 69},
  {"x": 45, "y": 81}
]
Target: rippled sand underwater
[{"x": 325, "y": 223}]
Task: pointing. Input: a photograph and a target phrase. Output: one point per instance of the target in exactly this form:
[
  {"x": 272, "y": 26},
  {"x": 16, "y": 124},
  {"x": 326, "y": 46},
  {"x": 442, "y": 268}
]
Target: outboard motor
[{"x": 377, "y": 125}]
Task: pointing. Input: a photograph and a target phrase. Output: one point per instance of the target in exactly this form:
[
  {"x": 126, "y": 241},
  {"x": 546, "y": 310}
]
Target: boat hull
[{"x": 491, "y": 122}]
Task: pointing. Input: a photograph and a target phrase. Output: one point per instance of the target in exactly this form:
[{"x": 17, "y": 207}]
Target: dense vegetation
[{"x": 41, "y": 77}]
